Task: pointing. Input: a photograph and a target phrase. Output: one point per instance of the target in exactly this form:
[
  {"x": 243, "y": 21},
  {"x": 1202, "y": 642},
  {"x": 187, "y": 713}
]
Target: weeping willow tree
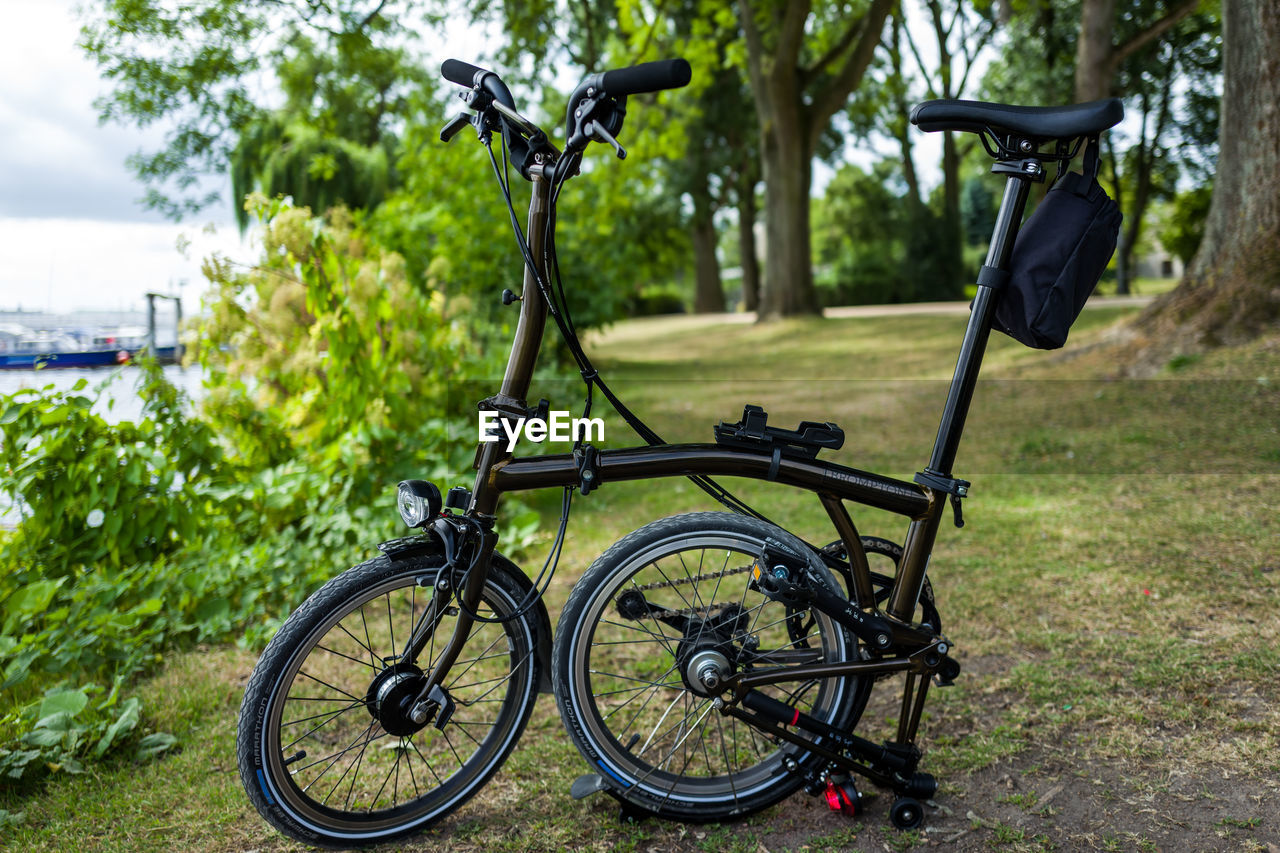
[
  {"x": 334, "y": 140},
  {"x": 279, "y": 155}
]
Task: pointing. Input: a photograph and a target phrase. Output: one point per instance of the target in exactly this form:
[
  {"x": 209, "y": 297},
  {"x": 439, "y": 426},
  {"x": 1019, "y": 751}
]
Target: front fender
[{"x": 413, "y": 546}]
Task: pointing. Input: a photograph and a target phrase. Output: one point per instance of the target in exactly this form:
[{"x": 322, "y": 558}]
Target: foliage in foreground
[{"x": 139, "y": 537}]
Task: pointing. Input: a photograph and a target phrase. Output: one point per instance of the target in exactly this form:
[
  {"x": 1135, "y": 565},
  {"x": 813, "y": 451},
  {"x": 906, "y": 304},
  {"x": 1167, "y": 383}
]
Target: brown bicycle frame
[{"x": 499, "y": 472}]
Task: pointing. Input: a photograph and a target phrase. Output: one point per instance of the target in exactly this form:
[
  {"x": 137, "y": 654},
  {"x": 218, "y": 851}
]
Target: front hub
[{"x": 390, "y": 698}]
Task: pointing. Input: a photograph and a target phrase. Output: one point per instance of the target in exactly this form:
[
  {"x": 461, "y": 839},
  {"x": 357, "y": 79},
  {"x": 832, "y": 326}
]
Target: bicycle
[{"x": 706, "y": 665}]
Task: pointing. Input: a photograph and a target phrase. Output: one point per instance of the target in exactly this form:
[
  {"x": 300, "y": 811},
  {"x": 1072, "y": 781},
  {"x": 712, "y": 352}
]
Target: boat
[
  {"x": 82, "y": 358},
  {"x": 24, "y": 348}
]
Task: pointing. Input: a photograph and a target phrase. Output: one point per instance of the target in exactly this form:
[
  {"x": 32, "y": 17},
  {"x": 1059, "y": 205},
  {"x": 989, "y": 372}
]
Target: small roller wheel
[{"x": 906, "y": 813}]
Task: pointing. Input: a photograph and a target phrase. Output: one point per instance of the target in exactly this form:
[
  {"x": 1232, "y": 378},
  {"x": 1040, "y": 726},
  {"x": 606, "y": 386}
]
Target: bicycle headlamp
[{"x": 418, "y": 502}]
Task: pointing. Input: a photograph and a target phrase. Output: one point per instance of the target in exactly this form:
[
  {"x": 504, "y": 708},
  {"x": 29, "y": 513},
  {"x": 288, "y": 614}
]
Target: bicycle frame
[{"x": 499, "y": 472}]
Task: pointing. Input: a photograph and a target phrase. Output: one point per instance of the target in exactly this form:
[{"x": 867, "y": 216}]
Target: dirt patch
[{"x": 1041, "y": 799}]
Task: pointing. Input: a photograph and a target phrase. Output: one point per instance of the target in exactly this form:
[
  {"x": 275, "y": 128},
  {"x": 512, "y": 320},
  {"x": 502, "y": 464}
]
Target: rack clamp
[
  {"x": 509, "y": 407},
  {"x": 957, "y": 489},
  {"x": 587, "y": 459},
  {"x": 511, "y": 410}
]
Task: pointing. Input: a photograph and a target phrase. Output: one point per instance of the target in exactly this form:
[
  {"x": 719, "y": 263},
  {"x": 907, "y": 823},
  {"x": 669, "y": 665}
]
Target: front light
[{"x": 418, "y": 502}]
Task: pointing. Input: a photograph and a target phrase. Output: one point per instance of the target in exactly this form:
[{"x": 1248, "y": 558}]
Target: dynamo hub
[{"x": 390, "y": 698}]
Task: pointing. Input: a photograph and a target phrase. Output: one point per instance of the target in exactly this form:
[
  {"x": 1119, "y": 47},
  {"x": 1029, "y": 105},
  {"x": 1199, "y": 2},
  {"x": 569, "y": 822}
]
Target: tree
[
  {"x": 1232, "y": 290},
  {"x": 1099, "y": 57},
  {"x": 960, "y": 33},
  {"x": 802, "y": 64},
  {"x": 977, "y": 211},
  {"x": 1159, "y": 77},
  {"x": 199, "y": 68},
  {"x": 1183, "y": 228},
  {"x": 1160, "y": 56}
]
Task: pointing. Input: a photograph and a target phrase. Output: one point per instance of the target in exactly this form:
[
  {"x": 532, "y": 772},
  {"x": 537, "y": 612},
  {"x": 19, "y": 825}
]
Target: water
[{"x": 117, "y": 401}]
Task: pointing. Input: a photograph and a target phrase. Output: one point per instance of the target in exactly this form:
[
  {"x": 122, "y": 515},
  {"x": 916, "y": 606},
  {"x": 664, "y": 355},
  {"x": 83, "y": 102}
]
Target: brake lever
[
  {"x": 595, "y": 130},
  {"x": 450, "y": 130}
]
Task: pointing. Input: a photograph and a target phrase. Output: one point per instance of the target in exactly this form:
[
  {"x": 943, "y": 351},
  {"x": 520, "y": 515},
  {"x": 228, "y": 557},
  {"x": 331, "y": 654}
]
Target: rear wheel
[
  {"x": 659, "y": 609},
  {"x": 329, "y": 752}
]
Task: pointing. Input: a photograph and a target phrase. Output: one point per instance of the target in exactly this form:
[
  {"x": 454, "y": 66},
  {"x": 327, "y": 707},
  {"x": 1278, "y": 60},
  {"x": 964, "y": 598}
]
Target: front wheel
[
  {"x": 661, "y": 608},
  {"x": 328, "y": 751}
]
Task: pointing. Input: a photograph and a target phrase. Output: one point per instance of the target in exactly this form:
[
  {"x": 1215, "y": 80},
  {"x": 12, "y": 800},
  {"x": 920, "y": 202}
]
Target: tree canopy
[{"x": 335, "y": 103}]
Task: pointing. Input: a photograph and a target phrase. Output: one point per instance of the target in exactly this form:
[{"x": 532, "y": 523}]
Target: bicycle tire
[
  {"x": 732, "y": 770},
  {"x": 325, "y": 666}
]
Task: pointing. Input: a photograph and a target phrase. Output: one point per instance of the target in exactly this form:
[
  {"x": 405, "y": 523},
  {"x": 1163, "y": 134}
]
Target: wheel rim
[
  {"x": 651, "y": 731},
  {"x": 328, "y": 757}
]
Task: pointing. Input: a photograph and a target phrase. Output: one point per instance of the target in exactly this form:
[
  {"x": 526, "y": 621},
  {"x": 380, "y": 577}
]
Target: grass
[
  {"x": 1141, "y": 286},
  {"x": 1113, "y": 599}
]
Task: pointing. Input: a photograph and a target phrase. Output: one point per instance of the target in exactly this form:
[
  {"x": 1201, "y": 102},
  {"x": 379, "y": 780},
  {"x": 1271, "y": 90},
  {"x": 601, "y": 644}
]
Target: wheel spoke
[{"x": 330, "y": 686}]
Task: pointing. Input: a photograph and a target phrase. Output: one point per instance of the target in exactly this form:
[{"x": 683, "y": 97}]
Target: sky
[{"x": 72, "y": 234}]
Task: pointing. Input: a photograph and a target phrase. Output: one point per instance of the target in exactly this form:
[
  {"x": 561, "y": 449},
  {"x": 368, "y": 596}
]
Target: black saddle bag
[{"x": 1059, "y": 255}]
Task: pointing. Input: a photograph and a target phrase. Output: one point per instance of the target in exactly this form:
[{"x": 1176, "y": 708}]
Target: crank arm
[{"x": 884, "y": 777}]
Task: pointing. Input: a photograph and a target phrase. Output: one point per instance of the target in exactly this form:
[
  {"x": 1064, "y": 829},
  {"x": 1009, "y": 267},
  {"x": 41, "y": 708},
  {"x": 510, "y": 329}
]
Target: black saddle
[{"x": 1038, "y": 124}]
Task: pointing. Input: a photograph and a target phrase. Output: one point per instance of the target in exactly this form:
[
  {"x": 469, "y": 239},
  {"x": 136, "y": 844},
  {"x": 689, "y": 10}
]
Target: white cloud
[{"x": 67, "y": 264}]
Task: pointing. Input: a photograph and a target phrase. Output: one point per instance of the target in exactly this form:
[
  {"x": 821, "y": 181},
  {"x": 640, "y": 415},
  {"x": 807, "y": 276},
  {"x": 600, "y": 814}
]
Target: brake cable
[{"x": 560, "y": 312}]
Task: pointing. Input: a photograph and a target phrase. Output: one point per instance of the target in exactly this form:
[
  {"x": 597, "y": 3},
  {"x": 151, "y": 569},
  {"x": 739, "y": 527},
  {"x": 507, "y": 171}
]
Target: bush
[
  {"x": 328, "y": 375},
  {"x": 652, "y": 301}
]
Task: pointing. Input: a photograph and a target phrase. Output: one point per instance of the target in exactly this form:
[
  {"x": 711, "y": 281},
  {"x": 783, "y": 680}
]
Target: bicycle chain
[
  {"x": 694, "y": 579},
  {"x": 699, "y": 612}
]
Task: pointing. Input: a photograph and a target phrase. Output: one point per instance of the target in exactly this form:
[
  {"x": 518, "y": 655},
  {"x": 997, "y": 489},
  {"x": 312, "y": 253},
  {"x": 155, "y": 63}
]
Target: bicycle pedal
[{"x": 586, "y": 785}]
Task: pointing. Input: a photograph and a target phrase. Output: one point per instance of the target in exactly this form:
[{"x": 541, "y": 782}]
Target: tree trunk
[
  {"x": 793, "y": 105},
  {"x": 747, "y": 245},
  {"x": 1094, "y": 49},
  {"x": 788, "y": 268},
  {"x": 708, "y": 293},
  {"x": 1231, "y": 292}
]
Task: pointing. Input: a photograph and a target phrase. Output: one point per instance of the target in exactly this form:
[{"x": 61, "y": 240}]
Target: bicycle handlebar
[
  {"x": 595, "y": 110},
  {"x": 646, "y": 77},
  {"x": 462, "y": 73}
]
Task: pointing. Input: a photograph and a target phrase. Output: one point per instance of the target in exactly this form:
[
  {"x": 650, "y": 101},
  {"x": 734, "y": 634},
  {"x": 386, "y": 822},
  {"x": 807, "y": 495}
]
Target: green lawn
[{"x": 1113, "y": 599}]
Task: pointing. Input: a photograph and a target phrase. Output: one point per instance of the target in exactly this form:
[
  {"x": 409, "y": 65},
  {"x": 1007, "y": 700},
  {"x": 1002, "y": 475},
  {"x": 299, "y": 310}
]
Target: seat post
[{"x": 1021, "y": 174}]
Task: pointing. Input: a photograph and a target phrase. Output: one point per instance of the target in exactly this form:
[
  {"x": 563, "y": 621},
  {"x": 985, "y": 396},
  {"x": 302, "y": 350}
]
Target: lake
[{"x": 119, "y": 401}]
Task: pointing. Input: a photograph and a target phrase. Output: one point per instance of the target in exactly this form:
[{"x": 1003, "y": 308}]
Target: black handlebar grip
[
  {"x": 462, "y": 73},
  {"x": 646, "y": 77}
]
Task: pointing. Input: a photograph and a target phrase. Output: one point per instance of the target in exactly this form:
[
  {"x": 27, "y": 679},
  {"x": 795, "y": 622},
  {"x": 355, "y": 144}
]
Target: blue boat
[{"x": 86, "y": 358}]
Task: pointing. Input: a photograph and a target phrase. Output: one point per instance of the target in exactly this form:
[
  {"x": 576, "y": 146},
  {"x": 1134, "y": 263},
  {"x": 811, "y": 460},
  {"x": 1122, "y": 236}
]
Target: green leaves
[
  {"x": 126, "y": 722},
  {"x": 69, "y": 702},
  {"x": 27, "y": 601},
  {"x": 66, "y": 461},
  {"x": 66, "y": 727}
]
